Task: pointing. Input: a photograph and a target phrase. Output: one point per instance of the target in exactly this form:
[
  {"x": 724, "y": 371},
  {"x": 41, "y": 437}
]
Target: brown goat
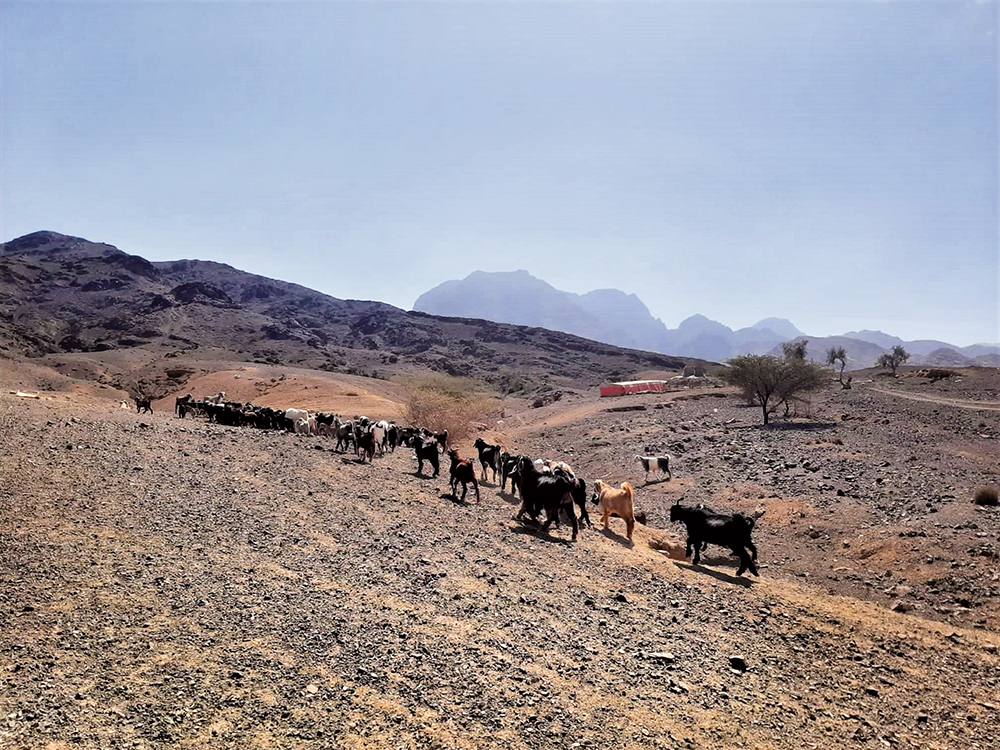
[{"x": 464, "y": 472}]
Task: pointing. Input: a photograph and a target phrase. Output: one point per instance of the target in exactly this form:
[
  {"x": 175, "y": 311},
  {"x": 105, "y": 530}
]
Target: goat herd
[{"x": 545, "y": 486}]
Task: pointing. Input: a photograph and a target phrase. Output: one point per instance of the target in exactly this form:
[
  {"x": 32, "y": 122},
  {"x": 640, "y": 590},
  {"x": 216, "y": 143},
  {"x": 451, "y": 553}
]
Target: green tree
[
  {"x": 795, "y": 349},
  {"x": 893, "y": 359},
  {"x": 834, "y": 355},
  {"x": 772, "y": 382}
]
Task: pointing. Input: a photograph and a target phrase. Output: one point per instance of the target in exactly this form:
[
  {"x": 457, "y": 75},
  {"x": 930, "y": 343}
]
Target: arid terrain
[{"x": 172, "y": 582}]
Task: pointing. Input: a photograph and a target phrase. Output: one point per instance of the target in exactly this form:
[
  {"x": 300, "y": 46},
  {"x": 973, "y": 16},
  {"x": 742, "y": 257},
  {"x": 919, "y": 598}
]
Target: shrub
[
  {"x": 837, "y": 354},
  {"x": 987, "y": 496},
  {"x": 795, "y": 349},
  {"x": 893, "y": 359},
  {"x": 937, "y": 373},
  {"x": 443, "y": 402}
]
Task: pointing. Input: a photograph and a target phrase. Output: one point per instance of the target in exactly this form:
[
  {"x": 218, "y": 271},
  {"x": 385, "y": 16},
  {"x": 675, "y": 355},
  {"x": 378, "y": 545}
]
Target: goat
[
  {"x": 508, "y": 465},
  {"x": 180, "y": 403},
  {"x": 621, "y": 503},
  {"x": 292, "y": 416},
  {"x": 655, "y": 463},
  {"x": 391, "y": 437},
  {"x": 464, "y": 472},
  {"x": 426, "y": 450},
  {"x": 143, "y": 404},
  {"x": 124, "y": 405},
  {"x": 442, "y": 439},
  {"x": 379, "y": 429},
  {"x": 547, "y": 492},
  {"x": 366, "y": 446},
  {"x": 344, "y": 432},
  {"x": 732, "y": 531},
  {"x": 489, "y": 457}
]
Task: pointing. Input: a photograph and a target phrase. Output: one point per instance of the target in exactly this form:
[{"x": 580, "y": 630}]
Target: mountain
[
  {"x": 517, "y": 297},
  {"x": 878, "y": 338},
  {"x": 78, "y": 304},
  {"x": 614, "y": 317},
  {"x": 779, "y": 327}
]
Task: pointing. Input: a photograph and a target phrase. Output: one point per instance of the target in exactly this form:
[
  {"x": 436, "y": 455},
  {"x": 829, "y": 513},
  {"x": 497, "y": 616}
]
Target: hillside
[
  {"x": 76, "y": 303},
  {"x": 171, "y": 582}
]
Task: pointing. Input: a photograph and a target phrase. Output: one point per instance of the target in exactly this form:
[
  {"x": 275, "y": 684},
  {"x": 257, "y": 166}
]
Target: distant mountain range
[{"x": 614, "y": 317}]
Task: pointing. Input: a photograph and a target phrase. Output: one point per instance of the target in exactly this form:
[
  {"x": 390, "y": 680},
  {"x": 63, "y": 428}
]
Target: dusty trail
[
  {"x": 183, "y": 583},
  {"x": 941, "y": 400}
]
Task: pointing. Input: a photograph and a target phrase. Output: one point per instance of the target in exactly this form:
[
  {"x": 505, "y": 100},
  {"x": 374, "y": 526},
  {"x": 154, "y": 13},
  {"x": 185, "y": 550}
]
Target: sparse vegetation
[
  {"x": 771, "y": 382},
  {"x": 795, "y": 349},
  {"x": 834, "y": 355},
  {"x": 443, "y": 402},
  {"x": 893, "y": 359},
  {"x": 987, "y": 496}
]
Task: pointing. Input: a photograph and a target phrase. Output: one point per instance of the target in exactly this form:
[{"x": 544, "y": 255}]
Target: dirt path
[{"x": 956, "y": 402}]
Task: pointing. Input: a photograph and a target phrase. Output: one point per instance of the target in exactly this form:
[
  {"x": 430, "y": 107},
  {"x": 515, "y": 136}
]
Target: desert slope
[{"x": 215, "y": 587}]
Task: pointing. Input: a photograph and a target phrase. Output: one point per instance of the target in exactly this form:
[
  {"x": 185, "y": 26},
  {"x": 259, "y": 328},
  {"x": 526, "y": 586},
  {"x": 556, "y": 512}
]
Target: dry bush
[
  {"x": 987, "y": 496},
  {"x": 940, "y": 373},
  {"x": 443, "y": 402}
]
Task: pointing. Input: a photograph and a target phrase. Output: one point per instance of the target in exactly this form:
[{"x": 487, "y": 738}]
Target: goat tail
[{"x": 628, "y": 490}]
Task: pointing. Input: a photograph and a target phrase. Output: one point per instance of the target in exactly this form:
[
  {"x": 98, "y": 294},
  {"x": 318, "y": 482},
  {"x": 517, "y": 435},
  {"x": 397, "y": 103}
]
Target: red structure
[{"x": 631, "y": 387}]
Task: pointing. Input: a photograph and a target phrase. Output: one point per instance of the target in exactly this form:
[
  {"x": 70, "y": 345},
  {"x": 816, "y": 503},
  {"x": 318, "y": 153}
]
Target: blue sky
[{"x": 834, "y": 163}]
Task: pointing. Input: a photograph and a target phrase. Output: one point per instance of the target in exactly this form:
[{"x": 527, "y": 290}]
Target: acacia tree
[
  {"x": 893, "y": 359},
  {"x": 837, "y": 354},
  {"x": 772, "y": 382},
  {"x": 795, "y": 349}
]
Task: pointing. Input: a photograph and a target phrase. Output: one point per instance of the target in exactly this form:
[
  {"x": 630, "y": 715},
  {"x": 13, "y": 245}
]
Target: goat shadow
[
  {"x": 615, "y": 537},
  {"x": 418, "y": 475},
  {"x": 717, "y": 574},
  {"x": 656, "y": 481},
  {"x": 778, "y": 426},
  {"x": 455, "y": 499},
  {"x": 509, "y": 498},
  {"x": 544, "y": 536}
]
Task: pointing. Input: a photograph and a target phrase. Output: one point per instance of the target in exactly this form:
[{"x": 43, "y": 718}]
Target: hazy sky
[{"x": 834, "y": 163}]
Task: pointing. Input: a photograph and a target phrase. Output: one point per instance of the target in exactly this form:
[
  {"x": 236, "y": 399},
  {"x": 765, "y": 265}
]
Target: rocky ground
[
  {"x": 868, "y": 495},
  {"x": 170, "y": 582}
]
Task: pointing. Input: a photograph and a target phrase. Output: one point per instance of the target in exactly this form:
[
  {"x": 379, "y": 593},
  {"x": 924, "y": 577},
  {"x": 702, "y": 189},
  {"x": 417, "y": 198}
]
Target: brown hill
[{"x": 93, "y": 309}]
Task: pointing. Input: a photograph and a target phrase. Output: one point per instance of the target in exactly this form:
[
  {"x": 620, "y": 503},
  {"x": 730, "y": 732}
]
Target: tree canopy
[{"x": 771, "y": 382}]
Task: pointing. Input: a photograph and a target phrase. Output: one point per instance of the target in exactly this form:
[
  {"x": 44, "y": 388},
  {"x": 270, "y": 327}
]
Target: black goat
[
  {"x": 345, "y": 434},
  {"x": 548, "y": 492},
  {"x": 426, "y": 450},
  {"x": 508, "y": 469},
  {"x": 143, "y": 404},
  {"x": 489, "y": 457},
  {"x": 442, "y": 439},
  {"x": 732, "y": 531}
]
